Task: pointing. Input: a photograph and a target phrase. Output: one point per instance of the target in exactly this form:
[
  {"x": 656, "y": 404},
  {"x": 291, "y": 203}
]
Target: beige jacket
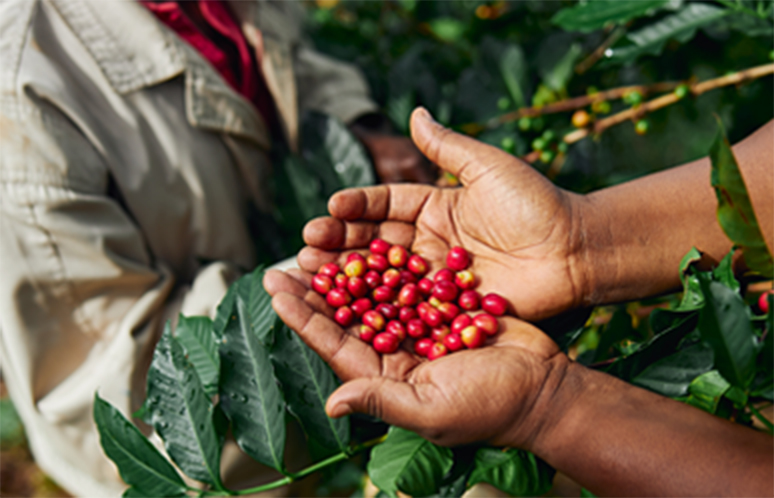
[{"x": 125, "y": 163}]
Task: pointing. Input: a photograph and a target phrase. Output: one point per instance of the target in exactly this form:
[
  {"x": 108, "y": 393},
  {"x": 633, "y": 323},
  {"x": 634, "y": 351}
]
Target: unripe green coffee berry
[
  {"x": 641, "y": 126},
  {"x": 503, "y": 103},
  {"x": 548, "y": 135},
  {"x": 601, "y": 107},
  {"x": 525, "y": 123},
  {"x": 507, "y": 144},
  {"x": 538, "y": 144},
  {"x": 562, "y": 146},
  {"x": 633, "y": 98},
  {"x": 547, "y": 156},
  {"x": 682, "y": 91}
]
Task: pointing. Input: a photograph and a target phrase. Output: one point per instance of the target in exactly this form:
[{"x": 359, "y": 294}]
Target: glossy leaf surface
[
  {"x": 197, "y": 336},
  {"x": 516, "y": 472},
  {"x": 590, "y": 16},
  {"x": 672, "y": 375}
]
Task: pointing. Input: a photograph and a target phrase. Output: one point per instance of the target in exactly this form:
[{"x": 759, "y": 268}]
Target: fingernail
[
  {"x": 426, "y": 114},
  {"x": 339, "y": 410}
]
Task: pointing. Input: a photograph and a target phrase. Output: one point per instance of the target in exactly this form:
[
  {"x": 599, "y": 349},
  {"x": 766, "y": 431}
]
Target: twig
[{"x": 599, "y": 52}]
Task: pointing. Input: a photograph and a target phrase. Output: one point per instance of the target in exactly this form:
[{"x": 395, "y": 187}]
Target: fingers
[
  {"x": 334, "y": 234},
  {"x": 383, "y": 202},
  {"x": 464, "y": 157}
]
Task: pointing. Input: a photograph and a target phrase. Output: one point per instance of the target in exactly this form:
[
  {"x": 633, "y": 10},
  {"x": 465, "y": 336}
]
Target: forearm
[
  {"x": 617, "y": 439},
  {"x": 636, "y": 233}
]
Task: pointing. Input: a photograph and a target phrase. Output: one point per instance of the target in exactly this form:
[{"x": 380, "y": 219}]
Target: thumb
[
  {"x": 464, "y": 157},
  {"x": 397, "y": 403}
]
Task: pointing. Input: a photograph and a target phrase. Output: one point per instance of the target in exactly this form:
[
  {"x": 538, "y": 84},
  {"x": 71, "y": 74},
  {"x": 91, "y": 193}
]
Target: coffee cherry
[
  {"x": 422, "y": 346},
  {"x": 633, "y": 98},
  {"x": 432, "y": 317},
  {"x": 453, "y": 342},
  {"x": 460, "y": 323},
  {"x": 422, "y": 308},
  {"x": 406, "y": 314},
  {"x": 374, "y": 319},
  {"x": 457, "y": 259},
  {"x": 641, "y": 126},
  {"x": 439, "y": 333},
  {"x": 494, "y": 304},
  {"x": 525, "y": 123},
  {"x": 487, "y": 323},
  {"x": 341, "y": 280},
  {"x": 445, "y": 291},
  {"x": 357, "y": 287},
  {"x": 449, "y": 311},
  {"x": 465, "y": 279},
  {"x": 547, "y": 156},
  {"x": 434, "y": 302},
  {"x": 338, "y": 298},
  {"x": 445, "y": 275},
  {"x": 397, "y": 328},
  {"x": 581, "y": 119},
  {"x": 378, "y": 246},
  {"x": 417, "y": 265},
  {"x": 763, "y": 301},
  {"x": 391, "y": 278},
  {"x": 539, "y": 144},
  {"x": 473, "y": 337},
  {"x": 388, "y": 310},
  {"x": 386, "y": 343},
  {"x": 409, "y": 295},
  {"x": 437, "y": 350},
  {"x": 356, "y": 256},
  {"x": 330, "y": 269},
  {"x": 425, "y": 286},
  {"x": 373, "y": 279},
  {"x": 406, "y": 277},
  {"x": 682, "y": 91},
  {"x": 397, "y": 256},
  {"x": 355, "y": 268},
  {"x": 360, "y": 306},
  {"x": 344, "y": 316},
  {"x": 469, "y": 300},
  {"x": 377, "y": 262},
  {"x": 416, "y": 328},
  {"x": 366, "y": 333},
  {"x": 322, "y": 284},
  {"x": 383, "y": 294}
]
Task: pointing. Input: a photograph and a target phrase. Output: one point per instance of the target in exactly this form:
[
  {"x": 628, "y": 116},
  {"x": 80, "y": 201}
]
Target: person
[
  {"x": 546, "y": 250},
  {"x": 135, "y": 144}
]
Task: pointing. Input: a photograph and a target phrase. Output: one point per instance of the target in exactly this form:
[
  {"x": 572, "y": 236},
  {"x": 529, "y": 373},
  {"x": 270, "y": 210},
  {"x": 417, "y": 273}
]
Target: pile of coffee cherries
[{"x": 389, "y": 294}]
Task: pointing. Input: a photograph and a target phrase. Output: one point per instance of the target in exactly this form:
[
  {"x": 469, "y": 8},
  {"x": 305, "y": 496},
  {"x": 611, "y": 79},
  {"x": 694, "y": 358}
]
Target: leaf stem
[{"x": 759, "y": 416}]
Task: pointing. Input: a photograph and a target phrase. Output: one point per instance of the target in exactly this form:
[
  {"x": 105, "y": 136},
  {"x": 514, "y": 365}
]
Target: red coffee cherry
[
  {"x": 426, "y": 286},
  {"x": 439, "y": 333},
  {"x": 355, "y": 268},
  {"x": 372, "y": 279},
  {"x": 457, "y": 259},
  {"x": 432, "y": 317},
  {"x": 378, "y": 246},
  {"x": 763, "y": 301},
  {"x": 360, "y": 306},
  {"x": 487, "y": 323},
  {"x": 453, "y": 342},
  {"x": 355, "y": 256},
  {"x": 422, "y": 309},
  {"x": 422, "y": 346},
  {"x": 383, "y": 294},
  {"x": 434, "y": 302},
  {"x": 374, "y": 319},
  {"x": 437, "y": 350},
  {"x": 469, "y": 300},
  {"x": 391, "y": 278},
  {"x": 322, "y": 284},
  {"x": 357, "y": 287},
  {"x": 341, "y": 280},
  {"x": 460, "y": 323},
  {"x": 397, "y": 256},
  {"x": 409, "y": 295},
  {"x": 397, "y": 328},
  {"x": 445, "y": 291},
  {"x": 386, "y": 343},
  {"x": 338, "y": 298},
  {"x": 406, "y": 277},
  {"x": 330, "y": 269},
  {"x": 473, "y": 337},
  {"x": 445, "y": 275},
  {"x": 406, "y": 314},
  {"x": 377, "y": 262},
  {"x": 465, "y": 279},
  {"x": 449, "y": 311},
  {"x": 416, "y": 328},
  {"x": 366, "y": 333},
  {"x": 417, "y": 265},
  {"x": 494, "y": 304},
  {"x": 388, "y": 310},
  {"x": 344, "y": 316}
]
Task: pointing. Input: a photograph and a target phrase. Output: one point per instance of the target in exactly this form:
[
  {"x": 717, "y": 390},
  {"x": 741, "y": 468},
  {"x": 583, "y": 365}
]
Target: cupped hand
[
  {"x": 497, "y": 393},
  {"x": 524, "y": 234}
]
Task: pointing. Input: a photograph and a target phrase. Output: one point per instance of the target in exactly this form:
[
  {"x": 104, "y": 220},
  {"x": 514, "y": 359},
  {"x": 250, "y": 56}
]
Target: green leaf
[
  {"x": 225, "y": 308},
  {"x": 735, "y": 212},
  {"x": 681, "y": 26},
  {"x": 198, "y": 338},
  {"x": 724, "y": 273},
  {"x": 257, "y": 310},
  {"x": 724, "y": 324},
  {"x": 513, "y": 68},
  {"x": 447, "y": 29},
  {"x": 672, "y": 375},
  {"x": 250, "y": 396},
  {"x": 585, "y": 493},
  {"x": 399, "y": 111},
  {"x": 181, "y": 412},
  {"x": 139, "y": 463},
  {"x": 706, "y": 391},
  {"x": 693, "y": 298},
  {"x": 590, "y": 16},
  {"x": 516, "y": 472},
  {"x": 307, "y": 381},
  {"x": 619, "y": 328},
  {"x": 409, "y": 463},
  {"x": 557, "y": 78}
]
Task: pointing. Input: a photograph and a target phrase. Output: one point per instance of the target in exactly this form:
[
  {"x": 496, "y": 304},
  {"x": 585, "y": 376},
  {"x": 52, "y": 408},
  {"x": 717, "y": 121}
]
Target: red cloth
[{"x": 231, "y": 55}]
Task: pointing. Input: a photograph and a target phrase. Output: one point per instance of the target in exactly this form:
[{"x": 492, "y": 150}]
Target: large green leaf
[
  {"x": 516, "y": 472},
  {"x": 724, "y": 273},
  {"x": 706, "y": 391},
  {"x": 590, "y": 16},
  {"x": 307, "y": 381},
  {"x": 139, "y": 463},
  {"x": 725, "y": 325},
  {"x": 514, "y": 70},
  {"x": 409, "y": 463},
  {"x": 250, "y": 396},
  {"x": 181, "y": 412},
  {"x": 672, "y": 375},
  {"x": 257, "y": 310},
  {"x": 198, "y": 338},
  {"x": 681, "y": 26},
  {"x": 225, "y": 308},
  {"x": 735, "y": 212}
]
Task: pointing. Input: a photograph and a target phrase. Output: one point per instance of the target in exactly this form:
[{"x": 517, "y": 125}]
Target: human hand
[
  {"x": 499, "y": 393},
  {"x": 524, "y": 234}
]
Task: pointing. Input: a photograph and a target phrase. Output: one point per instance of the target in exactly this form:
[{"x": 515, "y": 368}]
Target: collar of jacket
[{"x": 134, "y": 51}]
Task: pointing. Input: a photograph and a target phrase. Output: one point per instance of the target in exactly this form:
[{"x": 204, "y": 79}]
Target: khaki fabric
[{"x": 127, "y": 166}]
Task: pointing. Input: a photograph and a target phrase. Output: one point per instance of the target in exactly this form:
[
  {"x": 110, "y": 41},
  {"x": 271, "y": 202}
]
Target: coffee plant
[{"x": 505, "y": 72}]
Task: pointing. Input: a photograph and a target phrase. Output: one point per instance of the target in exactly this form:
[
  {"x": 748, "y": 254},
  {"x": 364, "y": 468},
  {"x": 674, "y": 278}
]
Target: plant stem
[
  {"x": 599, "y": 52},
  {"x": 760, "y": 417}
]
